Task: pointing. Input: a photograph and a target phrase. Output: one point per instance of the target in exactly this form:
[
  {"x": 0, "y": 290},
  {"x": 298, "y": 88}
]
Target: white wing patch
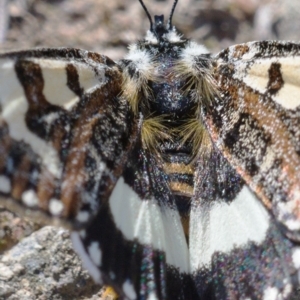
[
  {"x": 257, "y": 77},
  {"x": 55, "y": 207},
  {"x": 5, "y": 185},
  {"x": 89, "y": 80},
  {"x": 128, "y": 290},
  {"x": 223, "y": 227},
  {"x": 55, "y": 80},
  {"x": 82, "y": 216},
  {"x": 30, "y": 198},
  {"x": 86, "y": 259},
  {"x": 296, "y": 258},
  {"x": 272, "y": 293},
  {"x": 150, "y": 224},
  {"x": 95, "y": 253},
  {"x": 14, "y": 107}
]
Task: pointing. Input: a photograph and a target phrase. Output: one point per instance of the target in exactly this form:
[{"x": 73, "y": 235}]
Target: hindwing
[
  {"x": 240, "y": 251},
  {"x": 136, "y": 242}
]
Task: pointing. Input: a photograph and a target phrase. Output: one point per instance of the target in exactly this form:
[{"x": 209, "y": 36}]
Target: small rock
[
  {"x": 44, "y": 266},
  {"x": 5, "y": 272}
]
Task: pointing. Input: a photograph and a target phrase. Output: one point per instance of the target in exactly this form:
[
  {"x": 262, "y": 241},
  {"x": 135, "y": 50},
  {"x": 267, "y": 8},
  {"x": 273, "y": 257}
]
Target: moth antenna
[
  {"x": 171, "y": 14},
  {"x": 148, "y": 14}
]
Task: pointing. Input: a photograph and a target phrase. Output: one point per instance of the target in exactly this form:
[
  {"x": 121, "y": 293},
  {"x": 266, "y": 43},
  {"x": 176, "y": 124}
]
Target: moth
[{"x": 177, "y": 171}]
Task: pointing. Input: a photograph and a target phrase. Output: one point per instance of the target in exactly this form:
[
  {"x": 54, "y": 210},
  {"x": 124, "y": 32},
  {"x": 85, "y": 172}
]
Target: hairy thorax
[{"x": 161, "y": 82}]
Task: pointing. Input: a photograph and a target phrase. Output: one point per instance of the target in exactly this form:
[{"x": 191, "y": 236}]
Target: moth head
[
  {"x": 159, "y": 27},
  {"x": 159, "y": 30}
]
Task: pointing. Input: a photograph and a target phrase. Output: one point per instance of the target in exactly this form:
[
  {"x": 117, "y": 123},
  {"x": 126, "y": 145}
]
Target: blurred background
[{"x": 109, "y": 26}]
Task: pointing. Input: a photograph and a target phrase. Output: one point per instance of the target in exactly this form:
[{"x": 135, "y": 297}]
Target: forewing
[
  {"x": 64, "y": 131},
  {"x": 255, "y": 122},
  {"x": 136, "y": 242},
  {"x": 237, "y": 248}
]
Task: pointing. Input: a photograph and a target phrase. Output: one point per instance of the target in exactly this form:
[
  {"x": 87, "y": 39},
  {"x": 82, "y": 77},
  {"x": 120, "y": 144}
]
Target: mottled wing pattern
[
  {"x": 238, "y": 251},
  {"x": 245, "y": 211},
  {"x": 256, "y": 123},
  {"x": 136, "y": 243},
  {"x": 64, "y": 130},
  {"x": 71, "y": 147}
]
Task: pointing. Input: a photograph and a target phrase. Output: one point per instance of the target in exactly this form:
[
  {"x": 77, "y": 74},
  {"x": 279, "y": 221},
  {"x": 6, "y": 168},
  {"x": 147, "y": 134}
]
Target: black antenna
[
  {"x": 171, "y": 14},
  {"x": 148, "y": 14}
]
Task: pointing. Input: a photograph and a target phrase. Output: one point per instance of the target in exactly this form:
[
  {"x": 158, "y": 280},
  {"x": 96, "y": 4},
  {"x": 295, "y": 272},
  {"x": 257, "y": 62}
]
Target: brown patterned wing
[
  {"x": 256, "y": 123},
  {"x": 65, "y": 130}
]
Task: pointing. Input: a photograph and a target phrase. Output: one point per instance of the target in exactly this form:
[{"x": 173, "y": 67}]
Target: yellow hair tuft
[
  {"x": 153, "y": 131},
  {"x": 193, "y": 130},
  {"x": 198, "y": 80}
]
